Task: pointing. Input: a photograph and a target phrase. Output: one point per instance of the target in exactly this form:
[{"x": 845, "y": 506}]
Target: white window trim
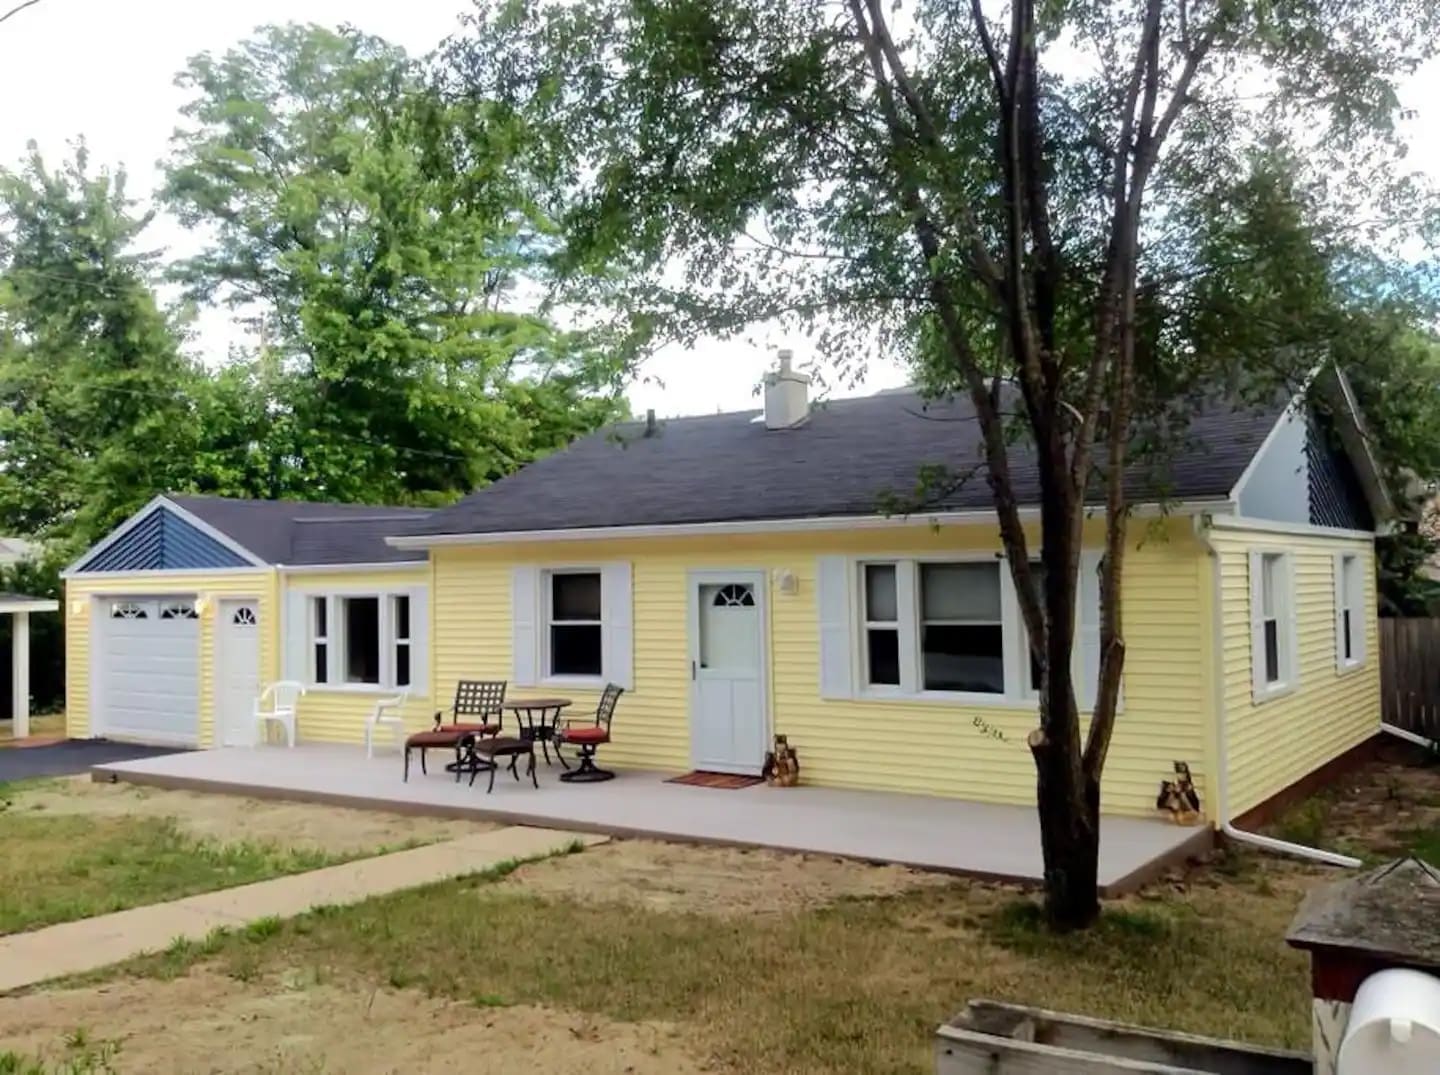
[
  {"x": 547, "y": 599},
  {"x": 1349, "y": 598},
  {"x": 1286, "y": 641},
  {"x": 335, "y": 652},
  {"x": 1017, "y": 694}
]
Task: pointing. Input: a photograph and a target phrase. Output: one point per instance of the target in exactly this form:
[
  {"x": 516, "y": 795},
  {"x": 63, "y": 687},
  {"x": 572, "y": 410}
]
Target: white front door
[
  {"x": 237, "y": 671},
  {"x": 728, "y": 721}
]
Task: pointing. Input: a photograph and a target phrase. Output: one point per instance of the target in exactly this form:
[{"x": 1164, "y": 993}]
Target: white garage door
[{"x": 149, "y": 674}]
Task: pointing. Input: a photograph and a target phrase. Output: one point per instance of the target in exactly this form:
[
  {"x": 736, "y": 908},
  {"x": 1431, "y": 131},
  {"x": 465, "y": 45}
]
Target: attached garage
[{"x": 147, "y": 668}]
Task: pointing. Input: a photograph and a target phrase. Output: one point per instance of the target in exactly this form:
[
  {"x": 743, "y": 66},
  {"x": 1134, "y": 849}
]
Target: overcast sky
[{"x": 105, "y": 69}]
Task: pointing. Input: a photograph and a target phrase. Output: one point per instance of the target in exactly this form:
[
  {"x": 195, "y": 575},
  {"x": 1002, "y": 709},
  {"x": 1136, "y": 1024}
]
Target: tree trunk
[{"x": 1069, "y": 837}]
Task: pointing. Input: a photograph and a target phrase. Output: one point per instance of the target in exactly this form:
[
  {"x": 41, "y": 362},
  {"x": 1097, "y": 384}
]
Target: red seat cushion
[
  {"x": 442, "y": 738},
  {"x": 589, "y": 734}
]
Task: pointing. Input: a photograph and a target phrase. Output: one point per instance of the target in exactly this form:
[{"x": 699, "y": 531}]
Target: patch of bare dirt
[
  {"x": 234, "y": 819},
  {"x": 720, "y": 881},
  {"x": 205, "y": 1022}
]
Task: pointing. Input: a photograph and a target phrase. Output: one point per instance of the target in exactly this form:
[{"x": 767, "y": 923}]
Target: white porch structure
[
  {"x": 947, "y": 835},
  {"x": 18, "y": 607}
]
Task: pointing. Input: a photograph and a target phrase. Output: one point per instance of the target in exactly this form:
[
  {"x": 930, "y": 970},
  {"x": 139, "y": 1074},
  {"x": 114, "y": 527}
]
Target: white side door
[
  {"x": 728, "y": 718},
  {"x": 237, "y": 671}
]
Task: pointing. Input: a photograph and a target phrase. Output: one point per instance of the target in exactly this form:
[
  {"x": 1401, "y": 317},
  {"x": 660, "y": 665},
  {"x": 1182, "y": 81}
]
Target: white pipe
[
  {"x": 1410, "y": 737},
  {"x": 1222, "y": 761}
]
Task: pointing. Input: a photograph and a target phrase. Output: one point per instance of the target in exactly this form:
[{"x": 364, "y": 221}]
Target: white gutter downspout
[
  {"x": 1222, "y": 775},
  {"x": 1409, "y": 736}
]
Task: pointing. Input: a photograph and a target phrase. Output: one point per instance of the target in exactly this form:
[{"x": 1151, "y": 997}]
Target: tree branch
[{"x": 18, "y": 8}]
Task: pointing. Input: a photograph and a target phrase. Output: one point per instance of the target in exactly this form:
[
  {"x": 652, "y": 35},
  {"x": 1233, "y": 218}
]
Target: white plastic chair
[
  {"x": 387, "y": 713},
  {"x": 281, "y": 698}
]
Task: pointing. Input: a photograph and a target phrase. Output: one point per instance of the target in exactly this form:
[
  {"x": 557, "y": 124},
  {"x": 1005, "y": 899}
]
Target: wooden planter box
[{"x": 989, "y": 1038}]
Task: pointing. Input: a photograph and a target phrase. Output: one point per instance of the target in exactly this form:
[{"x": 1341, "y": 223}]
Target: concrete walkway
[{"x": 91, "y": 943}]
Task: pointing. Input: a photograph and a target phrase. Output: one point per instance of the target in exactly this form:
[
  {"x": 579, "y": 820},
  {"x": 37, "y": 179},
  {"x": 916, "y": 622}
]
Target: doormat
[{"x": 725, "y": 781}]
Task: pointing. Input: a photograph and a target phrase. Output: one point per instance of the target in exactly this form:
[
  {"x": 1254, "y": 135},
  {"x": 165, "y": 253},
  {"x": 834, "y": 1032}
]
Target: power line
[{"x": 18, "y": 8}]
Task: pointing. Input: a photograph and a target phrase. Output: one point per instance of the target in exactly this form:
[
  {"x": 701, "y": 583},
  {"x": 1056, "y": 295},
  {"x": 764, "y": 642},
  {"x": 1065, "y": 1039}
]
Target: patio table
[{"x": 537, "y": 719}]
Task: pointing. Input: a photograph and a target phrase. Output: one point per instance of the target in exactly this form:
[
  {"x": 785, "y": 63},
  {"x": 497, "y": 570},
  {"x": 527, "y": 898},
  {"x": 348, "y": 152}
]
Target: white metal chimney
[{"x": 787, "y": 395}]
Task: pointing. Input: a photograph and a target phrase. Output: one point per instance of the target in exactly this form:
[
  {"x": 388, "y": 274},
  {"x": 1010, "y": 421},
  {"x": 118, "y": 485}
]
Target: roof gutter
[
  {"x": 1203, "y": 525},
  {"x": 1219, "y": 505}
]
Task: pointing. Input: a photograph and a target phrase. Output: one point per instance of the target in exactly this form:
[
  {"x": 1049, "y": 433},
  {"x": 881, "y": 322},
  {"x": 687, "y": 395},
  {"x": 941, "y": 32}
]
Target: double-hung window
[
  {"x": 319, "y": 640},
  {"x": 1349, "y": 612},
  {"x": 400, "y": 637},
  {"x": 359, "y": 639},
  {"x": 1273, "y": 656},
  {"x": 962, "y": 632},
  {"x": 882, "y": 625},
  {"x": 574, "y": 627}
]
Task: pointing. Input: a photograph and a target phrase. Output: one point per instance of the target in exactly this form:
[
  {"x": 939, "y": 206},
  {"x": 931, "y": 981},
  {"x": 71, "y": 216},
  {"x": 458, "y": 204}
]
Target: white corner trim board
[{"x": 1222, "y": 760}]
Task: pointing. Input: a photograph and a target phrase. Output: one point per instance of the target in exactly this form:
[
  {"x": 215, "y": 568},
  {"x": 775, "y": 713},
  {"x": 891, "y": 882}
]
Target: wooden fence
[{"x": 1410, "y": 674}]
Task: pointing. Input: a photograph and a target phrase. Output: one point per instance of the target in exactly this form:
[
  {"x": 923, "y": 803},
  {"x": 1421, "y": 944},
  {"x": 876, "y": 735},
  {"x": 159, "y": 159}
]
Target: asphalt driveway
[{"x": 71, "y": 756}]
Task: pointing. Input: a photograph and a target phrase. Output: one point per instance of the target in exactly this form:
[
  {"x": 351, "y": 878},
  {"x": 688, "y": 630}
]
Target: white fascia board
[
  {"x": 336, "y": 569},
  {"x": 1268, "y": 526},
  {"x": 779, "y": 526},
  {"x": 38, "y": 604},
  {"x": 179, "y": 574}
]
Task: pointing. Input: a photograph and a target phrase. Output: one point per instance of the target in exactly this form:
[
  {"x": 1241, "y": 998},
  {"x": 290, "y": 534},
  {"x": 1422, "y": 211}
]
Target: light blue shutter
[
  {"x": 617, "y": 611},
  {"x": 1087, "y": 631},
  {"x": 295, "y": 637},
  {"x": 832, "y": 584},
  {"x": 419, "y": 640},
  {"x": 524, "y": 611}
]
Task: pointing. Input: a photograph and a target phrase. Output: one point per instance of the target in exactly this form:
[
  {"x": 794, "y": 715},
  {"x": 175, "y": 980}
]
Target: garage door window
[
  {"x": 360, "y": 619},
  {"x": 128, "y": 610}
]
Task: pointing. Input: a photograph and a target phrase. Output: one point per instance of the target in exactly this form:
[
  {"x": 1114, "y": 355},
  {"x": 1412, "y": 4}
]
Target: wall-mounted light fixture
[
  {"x": 201, "y": 605},
  {"x": 787, "y": 582},
  {"x": 78, "y": 606}
]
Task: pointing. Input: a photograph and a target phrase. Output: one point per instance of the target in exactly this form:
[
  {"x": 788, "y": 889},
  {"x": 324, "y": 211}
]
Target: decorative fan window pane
[
  {"x": 735, "y": 595},
  {"x": 128, "y": 610},
  {"x": 962, "y": 643},
  {"x": 244, "y": 616},
  {"x": 179, "y": 610}
]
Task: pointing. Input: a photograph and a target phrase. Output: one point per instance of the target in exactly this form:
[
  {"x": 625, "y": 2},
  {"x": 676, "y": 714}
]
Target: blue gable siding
[{"x": 162, "y": 541}]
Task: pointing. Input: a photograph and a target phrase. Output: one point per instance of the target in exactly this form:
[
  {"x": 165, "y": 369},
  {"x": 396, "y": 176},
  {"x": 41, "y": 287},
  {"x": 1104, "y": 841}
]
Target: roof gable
[{"x": 159, "y": 539}]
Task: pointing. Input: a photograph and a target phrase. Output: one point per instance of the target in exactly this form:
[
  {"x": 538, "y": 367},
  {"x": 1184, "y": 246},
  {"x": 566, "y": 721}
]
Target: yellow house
[{"x": 733, "y": 574}]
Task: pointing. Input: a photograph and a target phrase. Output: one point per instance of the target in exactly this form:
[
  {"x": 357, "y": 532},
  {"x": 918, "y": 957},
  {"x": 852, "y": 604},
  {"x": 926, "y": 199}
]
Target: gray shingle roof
[
  {"x": 299, "y": 532},
  {"x": 842, "y": 461}
]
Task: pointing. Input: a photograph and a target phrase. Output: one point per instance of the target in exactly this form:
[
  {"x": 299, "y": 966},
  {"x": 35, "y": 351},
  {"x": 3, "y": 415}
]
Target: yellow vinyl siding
[
  {"x": 1273, "y": 743},
  {"x": 210, "y": 588},
  {"x": 930, "y": 747},
  {"x": 337, "y": 714}
]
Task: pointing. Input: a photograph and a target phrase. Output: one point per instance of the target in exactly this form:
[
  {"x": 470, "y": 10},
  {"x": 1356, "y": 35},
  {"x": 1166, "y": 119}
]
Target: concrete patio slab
[
  {"x": 91, "y": 943},
  {"x": 949, "y": 835}
]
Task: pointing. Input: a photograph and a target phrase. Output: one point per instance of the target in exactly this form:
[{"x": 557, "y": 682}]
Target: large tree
[
  {"x": 385, "y": 246},
  {"x": 1072, "y": 214},
  {"x": 94, "y": 392}
]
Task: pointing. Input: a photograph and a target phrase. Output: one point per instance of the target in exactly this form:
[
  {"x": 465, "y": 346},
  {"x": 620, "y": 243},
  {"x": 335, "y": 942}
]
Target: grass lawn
[
  {"x": 57, "y": 869},
  {"x": 687, "y": 959},
  {"x": 855, "y": 986}
]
